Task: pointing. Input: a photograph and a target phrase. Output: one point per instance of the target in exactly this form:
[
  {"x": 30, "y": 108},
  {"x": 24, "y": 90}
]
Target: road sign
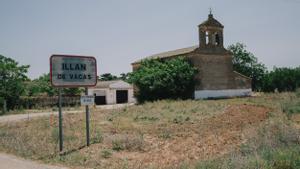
[
  {"x": 87, "y": 100},
  {"x": 73, "y": 71}
]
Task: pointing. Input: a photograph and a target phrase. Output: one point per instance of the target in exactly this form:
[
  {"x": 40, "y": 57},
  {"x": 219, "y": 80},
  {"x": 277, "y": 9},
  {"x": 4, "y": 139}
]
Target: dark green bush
[
  {"x": 162, "y": 79},
  {"x": 282, "y": 79}
]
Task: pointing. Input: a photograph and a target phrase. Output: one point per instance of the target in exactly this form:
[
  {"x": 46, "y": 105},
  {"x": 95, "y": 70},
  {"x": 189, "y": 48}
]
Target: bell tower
[{"x": 211, "y": 33}]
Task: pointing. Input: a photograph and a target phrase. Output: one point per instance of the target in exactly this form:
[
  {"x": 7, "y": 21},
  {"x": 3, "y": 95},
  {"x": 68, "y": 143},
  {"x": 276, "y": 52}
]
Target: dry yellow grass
[{"x": 162, "y": 134}]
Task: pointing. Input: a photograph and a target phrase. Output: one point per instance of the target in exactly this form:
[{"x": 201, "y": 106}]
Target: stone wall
[
  {"x": 241, "y": 81},
  {"x": 215, "y": 71}
]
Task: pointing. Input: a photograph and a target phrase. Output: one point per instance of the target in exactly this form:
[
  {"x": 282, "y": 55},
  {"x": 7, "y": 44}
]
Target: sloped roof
[
  {"x": 112, "y": 84},
  {"x": 212, "y": 22},
  {"x": 105, "y": 84},
  {"x": 176, "y": 52}
]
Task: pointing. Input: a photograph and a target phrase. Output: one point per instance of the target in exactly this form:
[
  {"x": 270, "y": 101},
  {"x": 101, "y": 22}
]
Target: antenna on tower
[{"x": 210, "y": 11}]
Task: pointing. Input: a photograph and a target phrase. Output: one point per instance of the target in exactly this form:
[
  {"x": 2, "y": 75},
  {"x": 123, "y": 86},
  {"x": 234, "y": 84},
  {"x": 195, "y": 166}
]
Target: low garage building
[{"x": 112, "y": 92}]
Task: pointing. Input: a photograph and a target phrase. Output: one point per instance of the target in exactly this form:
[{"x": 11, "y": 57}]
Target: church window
[{"x": 217, "y": 39}]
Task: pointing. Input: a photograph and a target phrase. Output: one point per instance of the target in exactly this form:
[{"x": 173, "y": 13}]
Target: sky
[{"x": 119, "y": 32}]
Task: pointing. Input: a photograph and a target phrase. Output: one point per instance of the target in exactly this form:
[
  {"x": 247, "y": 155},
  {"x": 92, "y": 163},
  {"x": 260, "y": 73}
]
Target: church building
[{"x": 215, "y": 77}]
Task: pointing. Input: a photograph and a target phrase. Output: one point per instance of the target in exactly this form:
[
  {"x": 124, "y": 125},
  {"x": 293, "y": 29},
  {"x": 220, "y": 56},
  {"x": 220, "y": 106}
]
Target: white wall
[
  {"x": 131, "y": 98},
  {"x": 203, "y": 94},
  {"x": 111, "y": 96}
]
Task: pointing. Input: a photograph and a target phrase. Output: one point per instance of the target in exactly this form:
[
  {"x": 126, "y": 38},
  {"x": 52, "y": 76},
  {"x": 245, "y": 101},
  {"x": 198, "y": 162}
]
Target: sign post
[
  {"x": 60, "y": 122},
  {"x": 87, "y": 117},
  {"x": 73, "y": 71}
]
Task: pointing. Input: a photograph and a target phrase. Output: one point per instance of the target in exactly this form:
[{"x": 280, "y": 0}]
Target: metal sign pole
[
  {"x": 87, "y": 121},
  {"x": 60, "y": 121}
]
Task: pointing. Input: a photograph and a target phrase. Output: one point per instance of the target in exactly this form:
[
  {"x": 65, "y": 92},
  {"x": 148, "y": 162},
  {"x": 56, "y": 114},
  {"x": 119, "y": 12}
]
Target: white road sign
[
  {"x": 73, "y": 71},
  {"x": 87, "y": 100}
]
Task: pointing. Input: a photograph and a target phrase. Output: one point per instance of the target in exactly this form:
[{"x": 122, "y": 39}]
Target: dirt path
[
  {"x": 13, "y": 162},
  {"x": 20, "y": 117}
]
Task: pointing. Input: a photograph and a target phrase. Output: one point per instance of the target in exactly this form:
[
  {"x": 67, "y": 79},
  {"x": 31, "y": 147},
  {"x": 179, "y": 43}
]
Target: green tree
[
  {"x": 42, "y": 86},
  {"x": 282, "y": 79},
  {"x": 162, "y": 79},
  {"x": 12, "y": 78},
  {"x": 124, "y": 76},
  {"x": 108, "y": 76},
  {"x": 247, "y": 64}
]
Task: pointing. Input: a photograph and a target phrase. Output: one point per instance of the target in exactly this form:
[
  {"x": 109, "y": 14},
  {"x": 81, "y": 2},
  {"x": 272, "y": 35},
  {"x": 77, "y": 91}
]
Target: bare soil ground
[{"x": 214, "y": 136}]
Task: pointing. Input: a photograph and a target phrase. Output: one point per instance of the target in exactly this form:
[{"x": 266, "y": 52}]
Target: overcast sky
[{"x": 118, "y": 32}]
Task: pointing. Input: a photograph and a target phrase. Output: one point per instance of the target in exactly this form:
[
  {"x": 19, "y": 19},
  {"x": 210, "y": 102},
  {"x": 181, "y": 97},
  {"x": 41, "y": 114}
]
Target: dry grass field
[{"x": 256, "y": 132}]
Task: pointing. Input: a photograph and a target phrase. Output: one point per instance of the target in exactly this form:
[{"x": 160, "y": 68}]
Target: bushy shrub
[{"x": 161, "y": 79}]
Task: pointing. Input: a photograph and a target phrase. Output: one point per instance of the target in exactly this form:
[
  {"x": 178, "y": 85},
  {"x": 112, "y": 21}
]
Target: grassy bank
[{"x": 256, "y": 132}]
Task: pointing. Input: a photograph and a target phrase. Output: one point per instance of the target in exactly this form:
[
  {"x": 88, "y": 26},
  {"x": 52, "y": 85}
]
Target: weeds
[
  {"x": 291, "y": 107},
  {"x": 128, "y": 142},
  {"x": 145, "y": 118},
  {"x": 97, "y": 138},
  {"x": 106, "y": 153},
  {"x": 277, "y": 146},
  {"x": 166, "y": 134}
]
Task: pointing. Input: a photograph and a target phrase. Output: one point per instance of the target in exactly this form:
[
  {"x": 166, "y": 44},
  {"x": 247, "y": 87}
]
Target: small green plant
[
  {"x": 181, "y": 119},
  {"x": 98, "y": 138},
  {"x": 117, "y": 145},
  {"x": 106, "y": 153},
  {"x": 166, "y": 134},
  {"x": 54, "y": 134},
  {"x": 245, "y": 149}
]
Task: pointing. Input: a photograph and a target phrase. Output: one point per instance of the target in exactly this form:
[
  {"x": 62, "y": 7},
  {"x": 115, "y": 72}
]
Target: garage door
[
  {"x": 122, "y": 96},
  {"x": 100, "y": 100}
]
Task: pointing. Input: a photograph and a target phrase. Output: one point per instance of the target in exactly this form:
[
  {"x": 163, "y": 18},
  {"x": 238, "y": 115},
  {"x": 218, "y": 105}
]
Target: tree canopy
[
  {"x": 247, "y": 64},
  {"x": 12, "y": 78},
  {"x": 282, "y": 79},
  {"x": 107, "y": 77},
  {"x": 161, "y": 79},
  {"x": 42, "y": 86}
]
